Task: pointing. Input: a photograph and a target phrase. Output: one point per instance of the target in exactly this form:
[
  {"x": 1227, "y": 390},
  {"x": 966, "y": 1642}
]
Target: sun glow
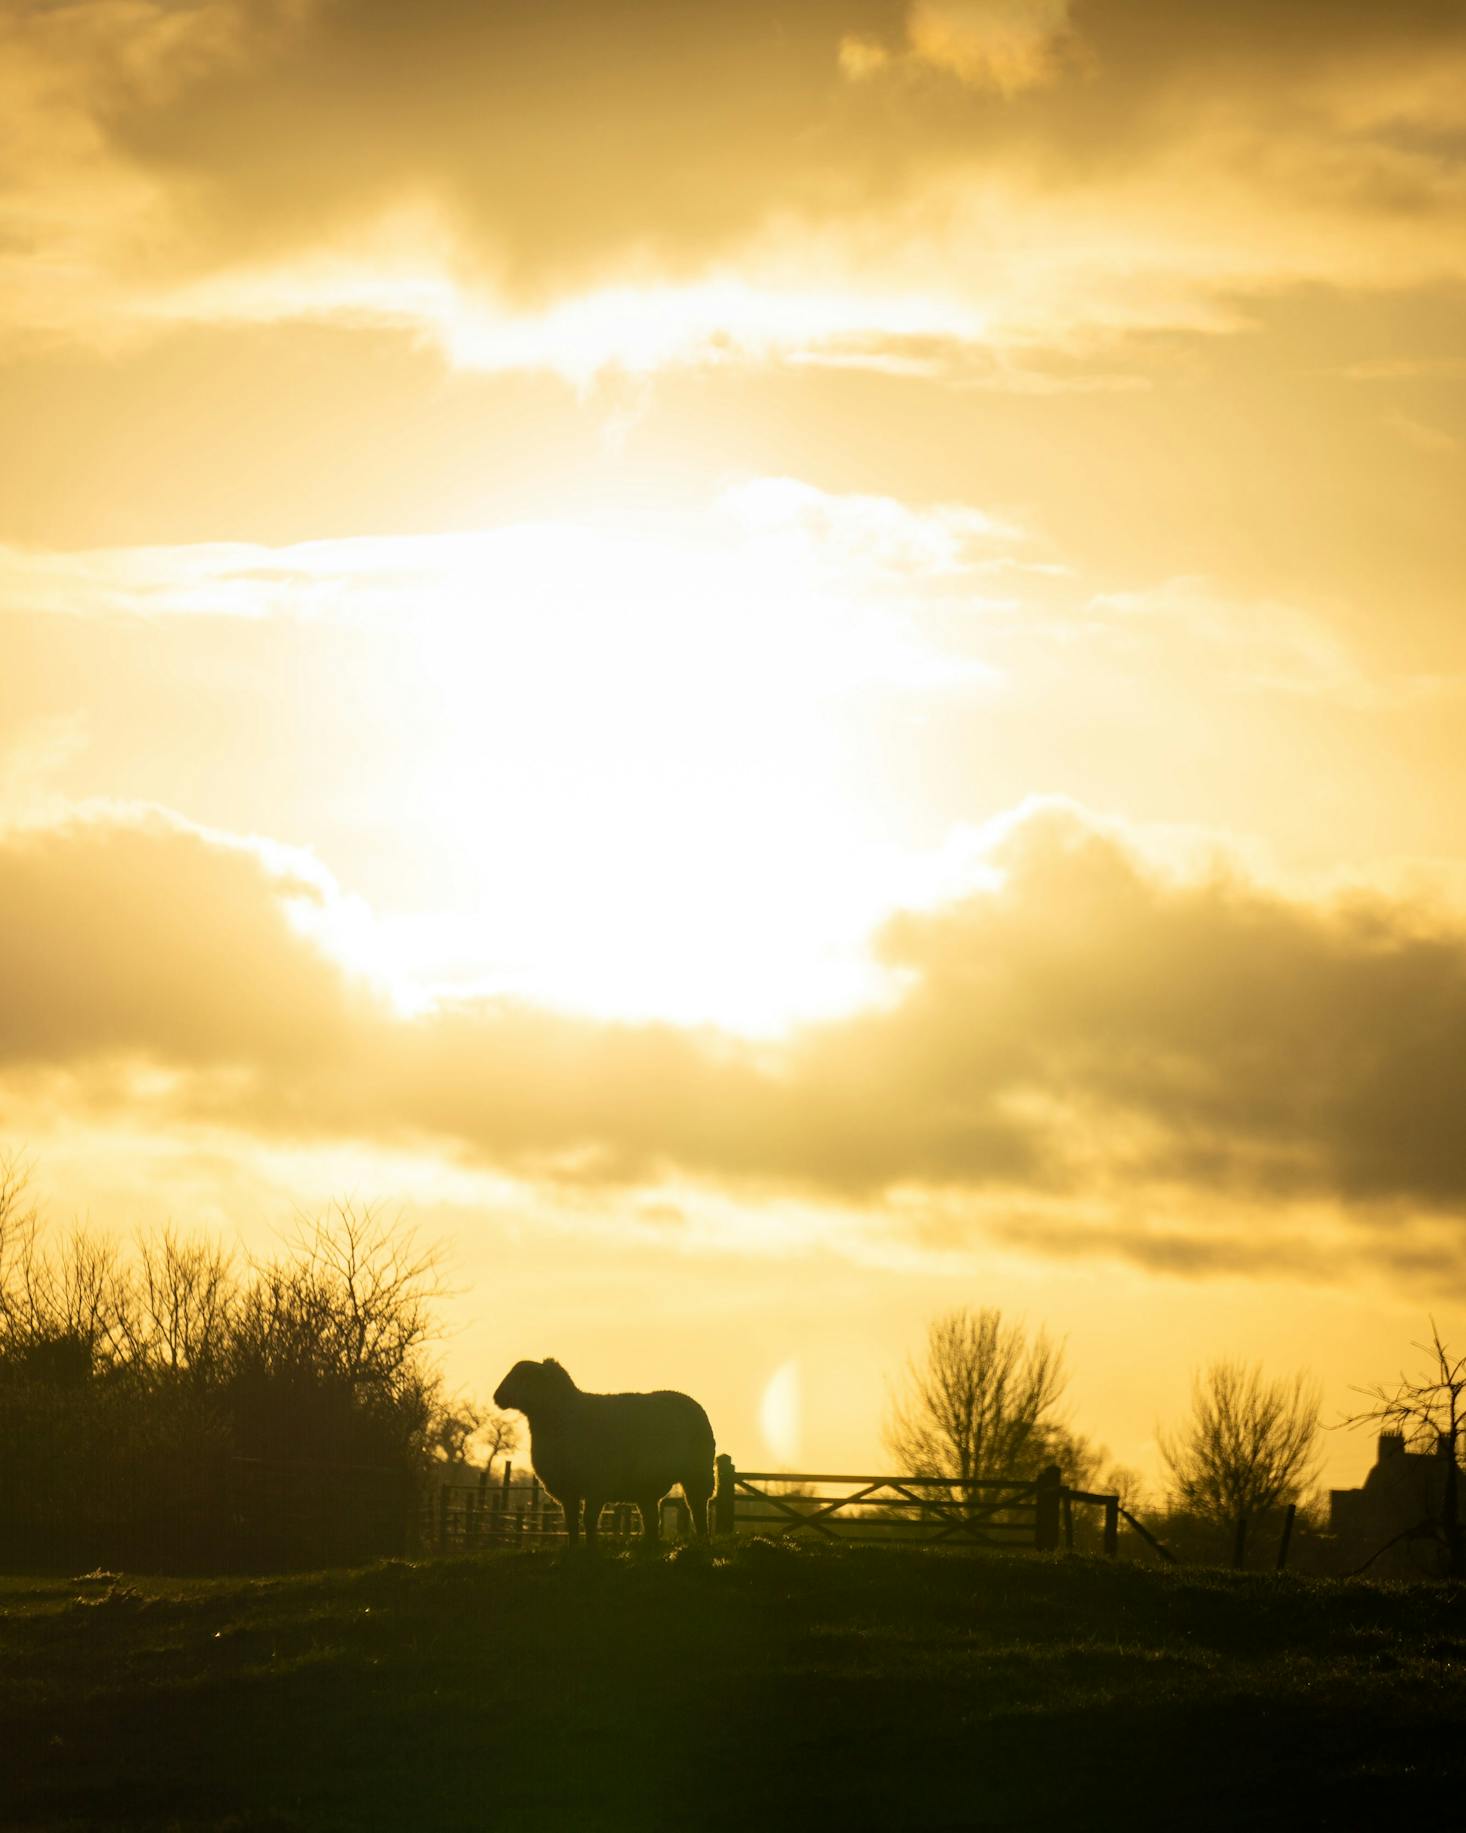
[
  {"x": 785, "y": 301},
  {"x": 623, "y": 767},
  {"x": 654, "y": 724}
]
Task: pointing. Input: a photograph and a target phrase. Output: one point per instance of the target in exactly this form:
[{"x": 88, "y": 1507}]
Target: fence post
[
  {"x": 480, "y": 1507},
  {"x": 1046, "y": 1493},
  {"x": 1287, "y": 1535},
  {"x": 723, "y": 1495},
  {"x": 1068, "y": 1522},
  {"x": 1112, "y": 1527},
  {"x": 442, "y": 1517}
]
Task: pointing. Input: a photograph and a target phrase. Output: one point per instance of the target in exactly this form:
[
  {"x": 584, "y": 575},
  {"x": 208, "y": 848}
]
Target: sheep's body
[{"x": 593, "y": 1449}]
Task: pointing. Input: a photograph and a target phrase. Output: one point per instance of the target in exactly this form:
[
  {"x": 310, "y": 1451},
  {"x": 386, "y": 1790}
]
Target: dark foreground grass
[{"x": 780, "y": 1687}]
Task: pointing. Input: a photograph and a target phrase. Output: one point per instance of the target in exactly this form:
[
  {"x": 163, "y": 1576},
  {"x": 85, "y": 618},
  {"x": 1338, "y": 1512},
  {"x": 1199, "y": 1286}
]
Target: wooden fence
[
  {"x": 504, "y": 1511},
  {"x": 919, "y": 1510},
  {"x": 1037, "y": 1512},
  {"x": 995, "y": 1512},
  {"x": 980, "y": 1511}
]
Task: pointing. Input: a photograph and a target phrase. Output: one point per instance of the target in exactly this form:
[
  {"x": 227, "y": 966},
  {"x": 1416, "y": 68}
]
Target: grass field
[{"x": 776, "y": 1686}]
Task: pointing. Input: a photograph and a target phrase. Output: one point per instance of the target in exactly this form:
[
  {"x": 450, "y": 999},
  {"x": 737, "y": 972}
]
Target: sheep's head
[{"x": 530, "y": 1387}]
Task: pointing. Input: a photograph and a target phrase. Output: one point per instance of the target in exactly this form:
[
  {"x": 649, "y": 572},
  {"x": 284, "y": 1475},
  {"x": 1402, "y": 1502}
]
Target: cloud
[
  {"x": 758, "y": 178},
  {"x": 1263, "y": 645},
  {"x": 773, "y": 524},
  {"x": 1205, "y": 1032},
  {"x": 1086, "y": 1031},
  {"x": 149, "y": 940},
  {"x": 552, "y": 134},
  {"x": 877, "y": 535},
  {"x": 1007, "y": 45}
]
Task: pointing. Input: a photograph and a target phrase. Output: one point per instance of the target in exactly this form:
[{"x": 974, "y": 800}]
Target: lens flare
[{"x": 779, "y": 1412}]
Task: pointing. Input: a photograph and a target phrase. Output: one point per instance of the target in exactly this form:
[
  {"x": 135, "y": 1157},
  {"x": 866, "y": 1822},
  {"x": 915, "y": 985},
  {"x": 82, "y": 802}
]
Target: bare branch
[
  {"x": 1248, "y": 1446},
  {"x": 980, "y": 1402},
  {"x": 1430, "y": 1410}
]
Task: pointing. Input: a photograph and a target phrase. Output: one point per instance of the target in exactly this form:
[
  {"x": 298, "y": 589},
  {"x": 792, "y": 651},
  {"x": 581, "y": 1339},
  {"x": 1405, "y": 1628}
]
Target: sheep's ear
[{"x": 549, "y": 1362}]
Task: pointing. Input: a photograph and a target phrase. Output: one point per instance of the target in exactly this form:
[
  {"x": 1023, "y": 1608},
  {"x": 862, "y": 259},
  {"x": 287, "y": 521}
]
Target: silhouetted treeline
[{"x": 172, "y": 1409}]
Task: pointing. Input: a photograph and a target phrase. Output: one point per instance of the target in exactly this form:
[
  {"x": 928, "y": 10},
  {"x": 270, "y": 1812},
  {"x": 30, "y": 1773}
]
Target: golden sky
[{"x": 778, "y": 664}]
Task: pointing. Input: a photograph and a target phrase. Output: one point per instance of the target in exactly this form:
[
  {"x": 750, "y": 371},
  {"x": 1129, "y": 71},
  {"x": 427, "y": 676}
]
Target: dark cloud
[
  {"x": 1222, "y": 1036},
  {"x": 559, "y": 134},
  {"x": 146, "y": 940},
  {"x": 571, "y": 137},
  {"x": 1088, "y": 1031},
  {"x": 1187, "y": 1252}
]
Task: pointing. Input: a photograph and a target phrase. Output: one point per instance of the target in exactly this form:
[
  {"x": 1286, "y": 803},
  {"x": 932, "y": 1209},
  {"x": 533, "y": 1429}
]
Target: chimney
[{"x": 1391, "y": 1444}]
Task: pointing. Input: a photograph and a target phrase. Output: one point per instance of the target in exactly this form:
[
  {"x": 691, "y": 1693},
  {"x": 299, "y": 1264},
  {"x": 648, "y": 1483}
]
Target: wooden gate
[
  {"x": 1036, "y": 1512},
  {"x": 957, "y": 1511},
  {"x": 998, "y": 1512}
]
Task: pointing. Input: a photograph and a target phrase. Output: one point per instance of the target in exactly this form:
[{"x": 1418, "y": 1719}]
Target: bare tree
[
  {"x": 461, "y": 1429},
  {"x": 352, "y": 1298},
  {"x": 1248, "y": 1446},
  {"x": 14, "y": 1178},
  {"x": 980, "y": 1401},
  {"x": 67, "y": 1309},
  {"x": 1087, "y": 1465},
  {"x": 1430, "y": 1409},
  {"x": 496, "y": 1437},
  {"x": 18, "y": 1227},
  {"x": 185, "y": 1296},
  {"x": 131, "y": 1384},
  {"x": 374, "y": 1286},
  {"x": 66, "y": 1306},
  {"x": 329, "y": 1342}
]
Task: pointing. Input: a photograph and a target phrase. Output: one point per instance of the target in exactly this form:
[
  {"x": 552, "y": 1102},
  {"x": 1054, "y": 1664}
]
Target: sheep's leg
[
  {"x": 593, "y": 1507},
  {"x": 697, "y": 1491},
  {"x": 570, "y": 1506}
]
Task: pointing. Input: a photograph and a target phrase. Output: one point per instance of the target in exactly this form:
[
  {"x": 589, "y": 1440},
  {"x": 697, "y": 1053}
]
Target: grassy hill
[{"x": 779, "y": 1686}]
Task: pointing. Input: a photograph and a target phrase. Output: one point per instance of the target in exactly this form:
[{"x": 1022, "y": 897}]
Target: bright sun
[{"x": 654, "y": 725}]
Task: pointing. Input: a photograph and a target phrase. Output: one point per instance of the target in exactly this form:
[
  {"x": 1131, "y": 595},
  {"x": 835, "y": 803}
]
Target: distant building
[{"x": 1403, "y": 1495}]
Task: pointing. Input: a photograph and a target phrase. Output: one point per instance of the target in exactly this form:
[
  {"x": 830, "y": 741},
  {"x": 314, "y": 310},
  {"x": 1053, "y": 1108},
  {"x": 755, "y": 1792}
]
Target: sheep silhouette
[{"x": 600, "y": 1448}]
